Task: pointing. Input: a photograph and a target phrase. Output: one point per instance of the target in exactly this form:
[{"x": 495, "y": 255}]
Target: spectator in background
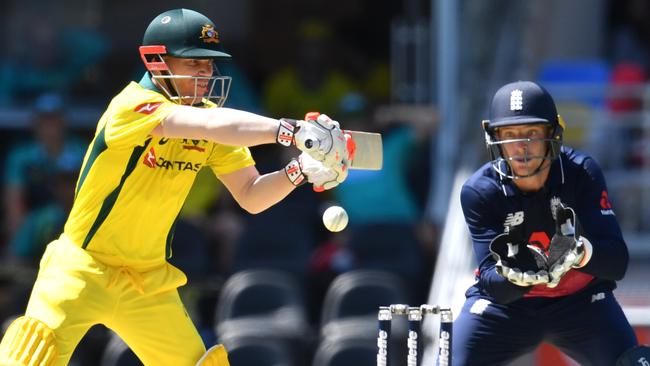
[
  {"x": 40, "y": 226},
  {"x": 628, "y": 84},
  {"x": 46, "y": 56},
  {"x": 45, "y": 223},
  {"x": 30, "y": 166},
  {"x": 313, "y": 82},
  {"x": 629, "y": 32}
]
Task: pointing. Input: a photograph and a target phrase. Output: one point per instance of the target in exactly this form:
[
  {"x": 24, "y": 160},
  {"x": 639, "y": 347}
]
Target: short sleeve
[
  {"x": 226, "y": 159},
  {"x": 132, "y": 115}
]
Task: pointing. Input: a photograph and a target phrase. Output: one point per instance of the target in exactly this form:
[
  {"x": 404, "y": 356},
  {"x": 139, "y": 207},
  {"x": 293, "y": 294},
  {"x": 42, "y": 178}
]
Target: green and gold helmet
[{"x": 184, "y": 33}]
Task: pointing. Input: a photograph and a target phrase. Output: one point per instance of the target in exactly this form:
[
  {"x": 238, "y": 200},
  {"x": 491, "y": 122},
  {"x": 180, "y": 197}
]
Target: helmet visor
[
  {"x": 192, "y": 90},
  {"x": 522, "y": 157}
]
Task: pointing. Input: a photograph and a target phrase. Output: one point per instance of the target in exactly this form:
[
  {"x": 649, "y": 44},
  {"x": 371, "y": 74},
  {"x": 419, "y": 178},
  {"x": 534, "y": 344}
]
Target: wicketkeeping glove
[
  {"x": 568, "y": 248},
  {"x": 522, "y": 264}
]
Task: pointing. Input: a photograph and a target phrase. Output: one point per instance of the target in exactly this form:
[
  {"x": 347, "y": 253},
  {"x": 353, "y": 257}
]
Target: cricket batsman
[
  {"x": 109, "y": 265},
  {"x": 547, "y": 243}
]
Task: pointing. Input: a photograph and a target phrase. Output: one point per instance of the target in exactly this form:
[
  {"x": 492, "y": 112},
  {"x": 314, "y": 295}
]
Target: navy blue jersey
[{"x": 576, "y": 180}]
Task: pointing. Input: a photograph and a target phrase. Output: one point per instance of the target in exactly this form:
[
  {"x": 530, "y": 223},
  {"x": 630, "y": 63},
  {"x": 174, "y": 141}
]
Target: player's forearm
[
  {"x": 609, "y": 260},
  {"x": 222, "y": 125},
  {"x": 265, "y": 191},
  {"x": 502, "y": 290}
]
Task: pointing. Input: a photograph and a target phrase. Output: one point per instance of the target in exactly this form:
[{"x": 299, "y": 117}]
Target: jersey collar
[
  {"x": 146, "y": 83},
  {"x": 555, "y": 178}
]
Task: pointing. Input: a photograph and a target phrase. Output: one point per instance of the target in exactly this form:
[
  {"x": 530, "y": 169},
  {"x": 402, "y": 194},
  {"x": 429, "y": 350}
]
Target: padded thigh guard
[
  {"x": 635, "y": 356},
  {"x": 28, "y": 342},
  {"x": 215, "y": 356}
]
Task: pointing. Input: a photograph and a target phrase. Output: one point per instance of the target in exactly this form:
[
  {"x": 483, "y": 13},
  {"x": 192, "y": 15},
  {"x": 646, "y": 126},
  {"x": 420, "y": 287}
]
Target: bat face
[{"x": 366, "y": 150}]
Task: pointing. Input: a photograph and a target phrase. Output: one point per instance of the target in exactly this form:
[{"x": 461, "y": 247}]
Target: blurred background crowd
[{"x": 402, "y": 68}]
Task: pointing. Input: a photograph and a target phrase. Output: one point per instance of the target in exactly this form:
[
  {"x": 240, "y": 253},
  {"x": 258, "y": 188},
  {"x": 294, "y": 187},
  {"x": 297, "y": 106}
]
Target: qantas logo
[
  {"x": 152, "y": 161},
  {"x": 147, "y": 108},
  {"x": 150, "y": 158},
  {"x": 177, "y": 165}
]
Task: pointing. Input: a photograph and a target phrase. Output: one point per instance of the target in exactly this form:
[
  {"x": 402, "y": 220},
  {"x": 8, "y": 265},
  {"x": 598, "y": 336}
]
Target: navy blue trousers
[{"x": 589, "y": 326}]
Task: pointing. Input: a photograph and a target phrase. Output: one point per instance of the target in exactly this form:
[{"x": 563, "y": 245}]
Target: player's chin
[{"x": 524, "y": 167}]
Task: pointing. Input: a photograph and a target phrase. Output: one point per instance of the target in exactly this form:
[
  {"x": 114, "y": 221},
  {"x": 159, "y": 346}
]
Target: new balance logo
[
  {"x": 514, "y": 219},
  {"x": 479, "y": 306},
  {"x": 147, "y": 108},
  {"x": 516, "y": 100},
  {"x": 597, "y": 297}
]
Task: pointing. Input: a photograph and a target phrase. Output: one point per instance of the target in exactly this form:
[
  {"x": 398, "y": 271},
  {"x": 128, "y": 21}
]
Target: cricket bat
[
  {"x": 367, "y": 151},
  {"x": 365, "y": 148}
]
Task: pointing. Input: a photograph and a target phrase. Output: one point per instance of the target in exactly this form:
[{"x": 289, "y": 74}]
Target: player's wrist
[
  {"x": 287, "y": 129},
  {"x": 587, "y": 251},
  {"x": 294, "y": 173}
]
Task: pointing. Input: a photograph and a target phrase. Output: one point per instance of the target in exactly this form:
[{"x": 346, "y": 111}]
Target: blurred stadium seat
[
  {"x": 582, "y": 79},
  {"x": 262, "y": 245},
  {"x": 256, "y": 351},
  {"x": 263, "y": 304},
  {"x": 350, "y": 313},
  {"x": 360, "y": 293},
  {"x": 389, "y": 247},
  {"x": 342, "y": 351}
]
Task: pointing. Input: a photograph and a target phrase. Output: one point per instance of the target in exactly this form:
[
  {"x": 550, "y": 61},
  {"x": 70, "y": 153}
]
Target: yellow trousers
[{"x": 75, "y": 291}]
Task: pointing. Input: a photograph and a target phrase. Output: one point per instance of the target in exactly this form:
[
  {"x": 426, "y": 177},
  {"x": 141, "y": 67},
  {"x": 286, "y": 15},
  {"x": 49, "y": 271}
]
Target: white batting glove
[
  {"x": 319, "y": 136},
  {"x": 322, "y": 177}
]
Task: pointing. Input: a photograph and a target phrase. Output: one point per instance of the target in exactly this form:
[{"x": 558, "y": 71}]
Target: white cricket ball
[{"x": 335, "y": 218}]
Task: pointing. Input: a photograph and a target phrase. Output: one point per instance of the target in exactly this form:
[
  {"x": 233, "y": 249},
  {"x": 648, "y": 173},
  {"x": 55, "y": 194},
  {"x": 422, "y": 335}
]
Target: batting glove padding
[
  {"x": 323, "y": 139},
  {"x": 322, "y": 177},
  {"x": 521, "y": 264},
  {"x": 568, "y": 249}
]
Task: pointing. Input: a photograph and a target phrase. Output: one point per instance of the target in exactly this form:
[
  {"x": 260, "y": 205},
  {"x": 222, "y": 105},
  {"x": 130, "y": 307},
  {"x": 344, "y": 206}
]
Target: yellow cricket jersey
[{"x": 132, "y": 185}]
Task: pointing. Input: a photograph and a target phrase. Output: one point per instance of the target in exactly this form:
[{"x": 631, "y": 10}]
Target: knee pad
[
  {"x": 28, "y": 342},
  {"x": 635, "y": 356},
  {"x": 215, "y": 356}
]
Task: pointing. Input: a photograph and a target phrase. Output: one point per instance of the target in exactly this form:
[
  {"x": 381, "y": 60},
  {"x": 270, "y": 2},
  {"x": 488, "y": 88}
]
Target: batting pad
[
  {"x": 215, "y": 356},
  {"x": 28, "y": 342}
]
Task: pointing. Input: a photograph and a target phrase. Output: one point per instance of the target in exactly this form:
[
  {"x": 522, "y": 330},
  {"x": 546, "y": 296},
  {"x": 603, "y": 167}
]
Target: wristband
[
  {"x": 294, "y": 172},
  {"x": 286, "y": 131}
]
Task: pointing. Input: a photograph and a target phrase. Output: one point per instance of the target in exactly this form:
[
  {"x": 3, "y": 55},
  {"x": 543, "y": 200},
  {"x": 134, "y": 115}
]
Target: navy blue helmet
[{"x": 522, "y": 103}]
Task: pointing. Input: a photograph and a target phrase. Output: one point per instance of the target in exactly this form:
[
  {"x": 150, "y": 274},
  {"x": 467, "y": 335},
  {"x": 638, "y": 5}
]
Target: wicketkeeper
[{"x": 547, "y": 243}]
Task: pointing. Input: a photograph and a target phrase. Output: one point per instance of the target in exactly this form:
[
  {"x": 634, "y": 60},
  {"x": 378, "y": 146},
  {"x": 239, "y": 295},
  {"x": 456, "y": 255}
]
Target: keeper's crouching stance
[{"x": 109, "y": 266}]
